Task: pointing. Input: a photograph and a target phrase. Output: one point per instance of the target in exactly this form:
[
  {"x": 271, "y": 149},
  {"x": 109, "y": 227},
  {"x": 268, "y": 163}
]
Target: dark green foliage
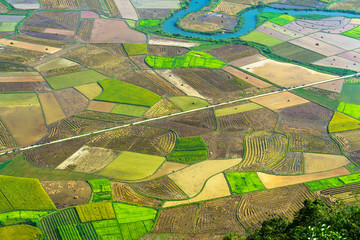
[
  {"x": 189, "y": 150},
  {"x": 314, "y": 221},
  {"x": 324, "y": 101}
]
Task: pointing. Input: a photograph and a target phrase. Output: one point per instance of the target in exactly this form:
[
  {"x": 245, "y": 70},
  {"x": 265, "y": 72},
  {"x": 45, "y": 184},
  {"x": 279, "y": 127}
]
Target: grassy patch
[
  {"x": 75, "y": 79},
  {"x": 101, "y": 190},
  {"x": 192, "y": 59},
  {"x": 8, "y": 26},
  {"x": 264, "y": 17},
  {"x": 130, "y": 110},
  {"x": 354, "y": 33},
  {"x": 189, "y": 150},
  {"x": 134, "y": 49},
  {"x": 349, "y": 109},
  {"x": 236, "y": 109},
  {"x": 91, "y": 90},
  {"x": 132, "y": 166},
  {"x": 282, "y": 20},
  {"x": 17, "y": 217},
  {"x": 348, "y": 179},
  {"x": 95, "y": 212},
  {"x": 18, "y": 99},
  {"x": 350, "y": 93},
  {"x": 293, "y": 52},
  {"x": 324, "y": 184},
  {"x": 341, "y": 122},
  {"x": 25, "y": 194},
  {"x": 121, "y": 92},
  {"x": 126, "y": 213},
  {"x": 322, "y": 100},
  {"x": 149, "y": 25},
  {"x": 20, "y": 232},
  {"x": 186, "y": 103},
  {"x": 262, "y": 38},
  {"x": 243, "y": 182}
]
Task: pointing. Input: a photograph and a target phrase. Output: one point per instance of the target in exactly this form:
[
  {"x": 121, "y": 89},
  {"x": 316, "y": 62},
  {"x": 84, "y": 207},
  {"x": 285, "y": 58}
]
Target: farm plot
[
  {"x": 112, "y": 31},
  {"x": 89, "y": 159},
  {"x": 353, "y": 33},
  {"x": 28, "y": 46},
  {"x": 191, "y": 179},
  {"x": 84, "y": 30},
  {"x": 22, "y": 217},
  {"x": 71, "y": 101},
  {"x": 52, "y": 109},
  {"x": 168, "y": 4},
  {"x": 349, "y": 93},
  {"x": 236, "y": 109},
  {"x": 215, "y": 187},
  {"x": 124, "y": 193},
  {"x": 348, "y": 140},
  {"x": 101, "y": 190},
  {"x": 340, "y": 41},
  {"x": 202, "y": 119},
  {"x": 351, "y": 55},
  {"x": 101, "y": 106},
  {"x": 82, "y": 125},
  {"x": 230, "y": 7},
  {"x": 130, "y": 110},
  {"x": 153, "y": 13},
  {"x": 155, "y": 40},
  {"x": 179, "y": 83},
  {"x": 292, "y": 163},
  {"x": 67, "y": 193},
  {"x": 161, "y": 188},
  {"x": 340, "y": 122},
  {"x": 310, "y": 142},
  {"x": 62, "y": 5},
  {"x": 126, "y": 9},
  {"x": 246, "y": 77},
  {"x": 334, "y": 86},
  {"x": 132, "y": 166},
  {"x": 350, "y": 109},
  {"x": 255, "y": 120},
  {"x": 190, "y": 59},
  {"x": 315, "y": 162},
  {"x": 317, "y": 46},
  {"x": 313, "y": 95},
  {"x": 264, "y": 149},
  {"x": 55, "y": 64},
  {"x": 121, "y": 92},
  {"x": 288, "y": 74},
  {"x": 189, "y": 150},
  {"x": 109, "y": 59},
  {"x": 219, "y": 216},
  {"x": 281, "y": 29},
  {"x": 95, "y": 212},
  {"x": 57, "y": 131},
  {"x": 6, "y": 140},
  {"x": 309, "y": 111},
  {"x": 247, "y": 60},
  {"x": 225, "y": 145},
  {"x": 183, "y": 216},
  {"x": 21, "y": 77},
  {"x": 134, "y": 49},
  {"x": 24, "y": 87},
  {"x": 262, "y": 38},
  {"x": 74, "y": 79},
  {"x": 20, "y": 232},
  {"x": 274, "y": 181},
  {"x": 89, "y": 14},
  {"x": 283, "y": 202},
  {"x": 243, "y": 182},
  {"x": 338, "y": 62},
  {"x": 14, "y": 109},
  {"x": 280, "y": 100},
  {"x": 274, "y": 33},
  {"x": 32, "y": 197},
  {"x": 293, "y": 52},
  {"x": 301, "y": 126},
  {"x": 348, "y": 193},
  {"x": 165, "y": 169},
  {"x": 186, "y": 103}
]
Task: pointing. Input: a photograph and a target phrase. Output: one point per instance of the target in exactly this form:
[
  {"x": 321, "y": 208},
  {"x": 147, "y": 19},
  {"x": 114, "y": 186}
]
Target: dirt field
[
  {"x": 339, "y": 62},
  {"x": 317, "y": 46},
  {"x": 351, "y": 55},
  {"x": 287, "y": 74},
  {"x": 291, "y": 164},
  {"x": 122, "y": 192},
  {"x": 29, "y": 46},
  {"x": 59, "y": 31},
  {"x": 297, "y": 125},
  {"x": 101, "y": 106},
  {"x": 340, "y": 41},
  {"x": 88, "y": 14},
  {"x": 283, "y": 202},
  {"x": 280, "y": 100},
  {"x": 161, "y": 188},
  {"x": 323, "y": 162},
  {"x": 192, "y": 179},
  {"x": 89, "y": 159},
  {"x": 334, "y": 86},
  {"x": 13, "y": 77},
  {"x": 274, "y": 33},
  {"x": 51, "y": 108},
  {"x": 71, "y": 101},
  {"x": 219, "y": 216},
  {"x": 67, "y": 193},
  {"x": 230, "y": 8},
  {"x": 165, "y": 169},
  {"x": 177, "y": 220},
  {"x": 232, "y": 52},
  {"x": 215, "y": 187},
  {"x": 248, "y": 60},
  {"x": 154, "y": 40},
  {"x": 309, "y": 110},
  {"x": 112, "y": 31},
  {"x": 126, "y": 9},
  {"x": 246, "y": 77},
  {"x": 274, "y": 181}
]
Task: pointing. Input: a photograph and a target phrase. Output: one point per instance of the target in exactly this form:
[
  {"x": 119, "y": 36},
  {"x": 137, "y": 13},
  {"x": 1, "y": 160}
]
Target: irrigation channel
[
  {"x": 249, "y": 17},
  {"x": 176, "y": 114}
]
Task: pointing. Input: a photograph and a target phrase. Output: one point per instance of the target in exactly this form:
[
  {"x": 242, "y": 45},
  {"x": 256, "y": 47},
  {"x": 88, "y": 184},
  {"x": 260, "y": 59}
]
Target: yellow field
[
  {"x": 274, "y": 181},
  {"x": 230, "y": 7},
  {"x": 192, "y": 179},
  {"x": 215, "y": 187},
  {"x": 52, "y": 110},
  {"x": 280, "y": 100},
  {"x": 165, "y": 169},
  {"x": 315, "y": 162},
  {"x": 90, "y": 91},
  {"x": 236, "y": 109},
  {"x": 30, "y": 46}
]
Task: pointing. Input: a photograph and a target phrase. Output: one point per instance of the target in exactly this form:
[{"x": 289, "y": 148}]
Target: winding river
[{"x": 249, "y": 19}]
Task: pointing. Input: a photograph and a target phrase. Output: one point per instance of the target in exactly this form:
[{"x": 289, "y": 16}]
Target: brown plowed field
[
  {"x": 102, "y": 116},
  {"x": 163, "y": 188},
  {"x": 348, "y": 193},
  {"x": 219, "y": 216},
  {"x": 225, "y": 145},
  {"x": 309, "y": 111},
  {"x": 280, "y": 100},
  {"x": 292, "y": 163},
  {"x": 177, "y": 219},
  {"x": 56, "y": 131},
  {"x": 283, "y": 202},
  {"x": 101, "y": 106},
  {"x": 21, "y": 79},
  {"x": 201, "y": 119},
  {"x": 139, "y": 60},
  {"x": 183, "y": 130},
  {"x": 168, "y": 51},
  {"x": 161, "y": 108},
  {"x": 51, "y": 108},
  {"x": 6, "y": 141},
  {"x": 122, "y": 192},
  {"x": 232, "y": 52},
  {"x": 301, "y": 126},
  {"x": 24, "y": 87},
  {"x": 81, "y": 125},
  {"x": 67, "y": 193},
  {"x": 255, "y": 120},
  {"x": 71, "y": 101}
]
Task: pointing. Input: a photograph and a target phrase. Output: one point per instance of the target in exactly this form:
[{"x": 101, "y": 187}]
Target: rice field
[{"x": 74, "y": 79}]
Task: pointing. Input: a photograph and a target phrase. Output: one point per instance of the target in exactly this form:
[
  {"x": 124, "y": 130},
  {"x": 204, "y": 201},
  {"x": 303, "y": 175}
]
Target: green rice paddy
[
  {"x": 192, "y": 59},
  {"x": 75, "y": 79},
  {"x": 121, "y": 92},
  {"x": 186, "y": 103},
  {"x": 350, "y": 109},
  {"x": 130, "y": 110},
  {"x": 354, "y": 33},
  {"x": 101, "y": 189},
  {"x": 262, "y": 38},
  {"x": 126, "y": 213},
  {"x": 8, "y": 26},
  {"x": 282, "y": 20},
  {"x": 189, "y": 150},
  {"x": 243, "y": 182},
  {"x": 322, "y": 100},
  {"x": 333, "y": 182},
  {"x": 134, "y": 49}
]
